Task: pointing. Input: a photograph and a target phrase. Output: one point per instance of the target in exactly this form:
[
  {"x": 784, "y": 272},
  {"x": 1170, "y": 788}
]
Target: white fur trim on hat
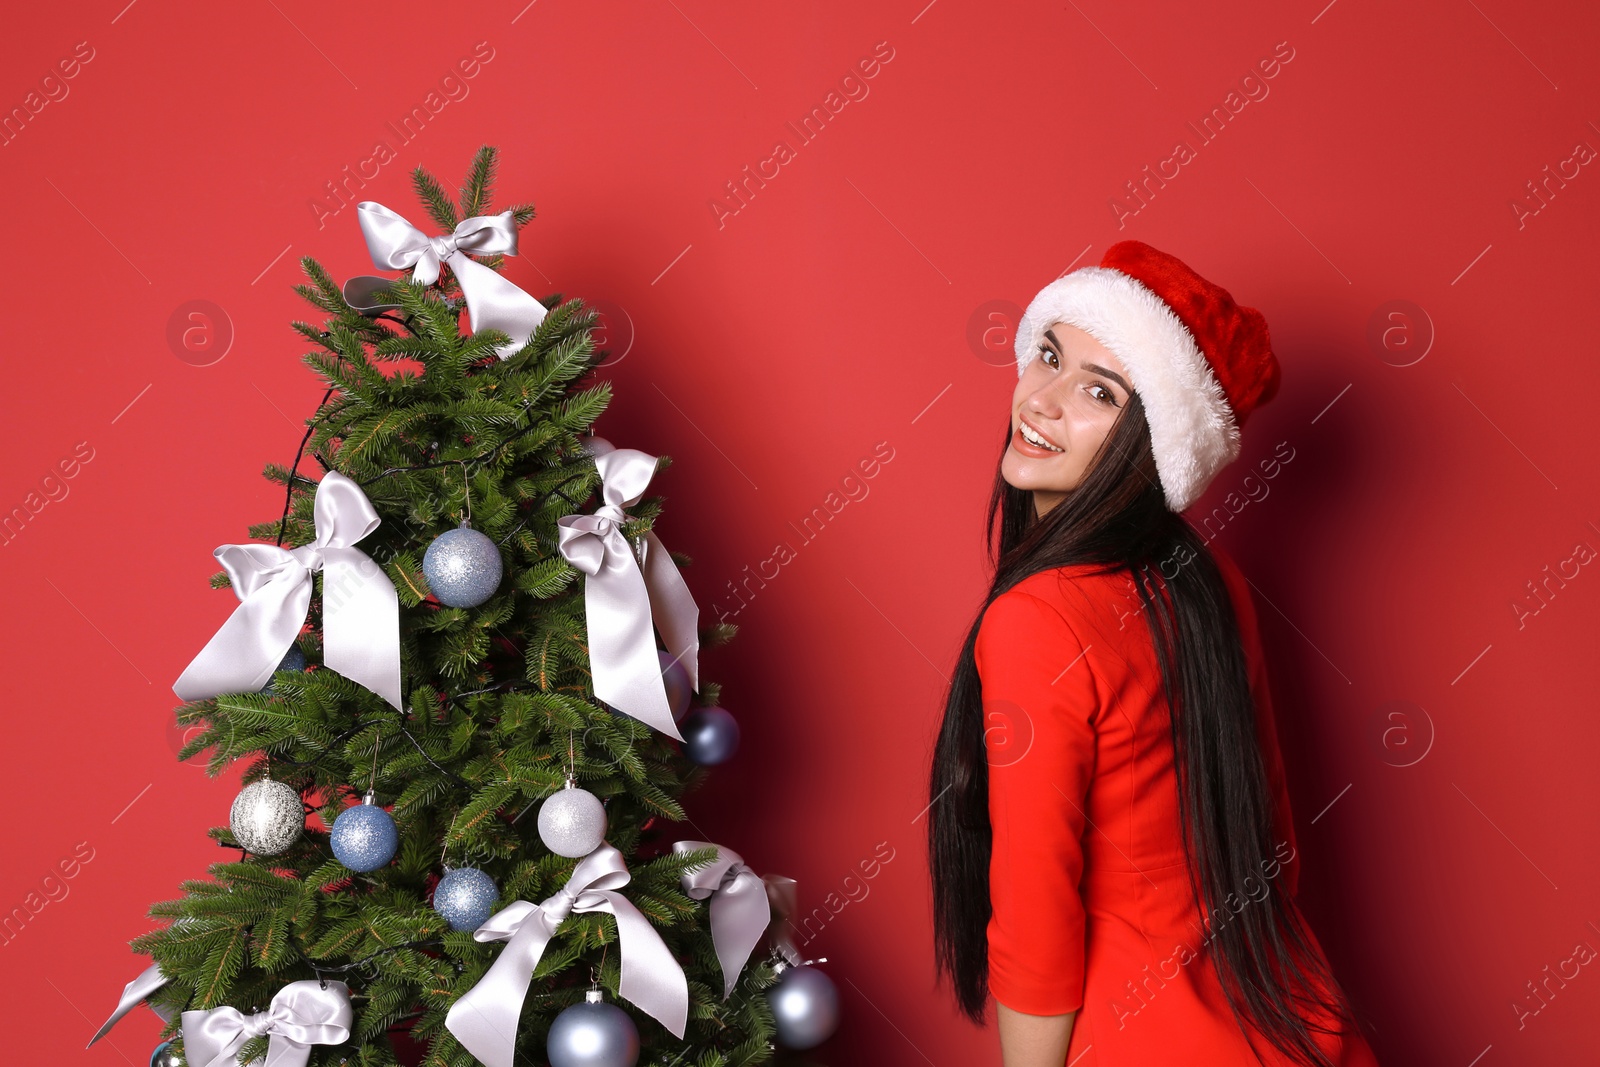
[{"x": 1192, "y": 430}]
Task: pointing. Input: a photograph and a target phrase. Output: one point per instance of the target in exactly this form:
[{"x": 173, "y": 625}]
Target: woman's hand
[{"x": 1033, "y": 1040}]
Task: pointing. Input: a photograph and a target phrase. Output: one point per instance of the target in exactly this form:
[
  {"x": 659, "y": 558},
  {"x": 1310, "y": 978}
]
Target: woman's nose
[{"x": 1046, "y": 402}]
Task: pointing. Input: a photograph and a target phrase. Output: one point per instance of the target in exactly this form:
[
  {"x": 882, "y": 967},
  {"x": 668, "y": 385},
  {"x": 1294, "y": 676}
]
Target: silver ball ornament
[
  {"x": 572, "y": 822},
  {"x": 462, "y": 567},
  {"x": 267, "y": 817},
  {"x": 166, "y": 1055},
  {"x": 676, "y": 679},
  {"x": 364, "y": 837},
  {"x": 710, "y": 736},
  {"x": 465, "y": 897},
  {"x": 805, "y": 1007},
  {"x": 592, "y": 1034}
]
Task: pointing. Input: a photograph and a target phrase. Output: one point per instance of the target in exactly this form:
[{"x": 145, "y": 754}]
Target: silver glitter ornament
[
  {"x": 572, "y": 822},
  {"x": 364, "y": 837},
  {"x": 166, "y": 1056},
  {"x": 462, "y": 567},
  {"x": 805, "y": 1007},
  {"x": 267, "y": 817},
  {"x": 592, "y": 1034},
  {"x": 465, "y": 897}
]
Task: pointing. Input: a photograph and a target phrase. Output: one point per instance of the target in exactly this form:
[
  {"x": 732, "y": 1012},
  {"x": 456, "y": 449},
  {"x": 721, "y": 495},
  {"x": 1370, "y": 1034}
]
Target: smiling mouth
[{"x": 1036, "y": 439}]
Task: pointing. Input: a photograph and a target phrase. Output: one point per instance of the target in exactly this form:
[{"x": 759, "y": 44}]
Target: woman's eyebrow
[
  {"x": 1109, "y": 374},
  {"x": 1095, "y": 368}
]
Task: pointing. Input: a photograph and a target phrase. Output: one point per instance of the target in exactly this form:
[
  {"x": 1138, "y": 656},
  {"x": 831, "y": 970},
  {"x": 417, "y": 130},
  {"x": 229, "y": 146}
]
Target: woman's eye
[
  {"x": 1108, "y": 398},
  {"x": 1046, "y": 353}
]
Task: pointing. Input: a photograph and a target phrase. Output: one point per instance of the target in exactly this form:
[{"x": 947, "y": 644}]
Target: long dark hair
[{"x": 1117, "y": 517}]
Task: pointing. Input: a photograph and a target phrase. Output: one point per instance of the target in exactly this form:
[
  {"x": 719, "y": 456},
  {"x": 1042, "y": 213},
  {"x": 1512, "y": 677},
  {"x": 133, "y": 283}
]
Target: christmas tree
[{"x": 472, "y": 572}]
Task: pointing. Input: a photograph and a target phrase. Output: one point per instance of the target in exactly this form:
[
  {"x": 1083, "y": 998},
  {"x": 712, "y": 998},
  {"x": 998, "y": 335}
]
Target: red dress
[{"x": 1092, "y": 909}]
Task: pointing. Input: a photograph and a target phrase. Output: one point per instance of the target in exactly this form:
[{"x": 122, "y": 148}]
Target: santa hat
[{"x": 1199, "y": 361}]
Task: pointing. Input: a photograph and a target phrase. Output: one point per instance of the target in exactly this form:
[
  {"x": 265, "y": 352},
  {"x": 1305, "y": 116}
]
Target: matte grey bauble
[
  {"x": 710, "y": 736},
  {"x": 805, "y": 1007},
  {"x": 676, "y": 680},
  {"x": 592, "y": 1034}
]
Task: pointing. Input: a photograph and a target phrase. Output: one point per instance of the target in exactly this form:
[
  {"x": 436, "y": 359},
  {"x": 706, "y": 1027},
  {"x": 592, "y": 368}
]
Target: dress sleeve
[
  {"x": 1039, "y": 704},
  {"x": 1266, "y": 725}
]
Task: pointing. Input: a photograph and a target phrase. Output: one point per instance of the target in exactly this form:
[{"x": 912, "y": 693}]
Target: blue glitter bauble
[
  {"x": 465, "y": 897},
  {"x": 710, "y": 736},
  {"x": 462, "y": 567},
  {"x": 364, "y": 837},
  {"x": 293, "y": 660}
]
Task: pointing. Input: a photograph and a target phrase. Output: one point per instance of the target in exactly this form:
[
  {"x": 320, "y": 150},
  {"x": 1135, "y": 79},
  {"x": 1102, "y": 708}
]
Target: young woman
[{"x": 1112, "y": 853}]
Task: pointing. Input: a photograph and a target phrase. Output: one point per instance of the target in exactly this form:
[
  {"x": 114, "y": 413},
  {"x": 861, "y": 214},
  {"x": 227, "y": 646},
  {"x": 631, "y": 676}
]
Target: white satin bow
[
  {"x": 148, "y": 982},
  {"x": 484, "y": 1018},
  {"x": 740, "y": 912},
  {"x": 783, "y": 894},
  {"x": 302, "y": 1014},
  {"x": 492, "y": 301},
  {"x": 623, "y": 595},
  {"x": 360, "y": 609}
]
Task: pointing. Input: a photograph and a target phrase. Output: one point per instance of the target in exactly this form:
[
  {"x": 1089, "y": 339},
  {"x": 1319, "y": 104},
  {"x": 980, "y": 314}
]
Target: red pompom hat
[{"x": 1199, "y": 361}]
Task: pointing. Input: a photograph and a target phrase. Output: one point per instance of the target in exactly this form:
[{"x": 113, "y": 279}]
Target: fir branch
[
  {"x": 440, "y": 207},
  {"x": 477, "y": 191}
]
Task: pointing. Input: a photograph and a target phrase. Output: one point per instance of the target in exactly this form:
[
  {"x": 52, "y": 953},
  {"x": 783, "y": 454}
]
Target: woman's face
[{"x": 1071, "y": 395}]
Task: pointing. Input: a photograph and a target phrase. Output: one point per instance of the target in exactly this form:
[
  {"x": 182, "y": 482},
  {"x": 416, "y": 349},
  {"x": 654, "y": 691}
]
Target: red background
[{"x": 834, "y": 311}]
